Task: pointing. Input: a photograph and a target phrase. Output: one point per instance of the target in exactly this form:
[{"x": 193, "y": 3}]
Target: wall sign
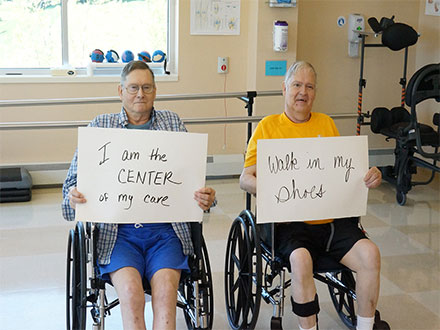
[
  {"x": 311, "y": 178},
  {"x": 215, "y": 17},
  {"x": 135, "y": 176}
]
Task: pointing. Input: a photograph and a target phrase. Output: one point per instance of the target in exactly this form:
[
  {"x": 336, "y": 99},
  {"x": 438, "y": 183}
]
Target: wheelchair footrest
[{"x": 276, "y": 323}]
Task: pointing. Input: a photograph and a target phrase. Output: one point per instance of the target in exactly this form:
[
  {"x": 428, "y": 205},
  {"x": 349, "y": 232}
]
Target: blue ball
[
  {"x": 144, "y": 56},
  {"x": 97, "y": 56},
  {"x": 112, "y": 56},
  {"x": 158, "y": 56},
  {"x": 127, "y": 56}
]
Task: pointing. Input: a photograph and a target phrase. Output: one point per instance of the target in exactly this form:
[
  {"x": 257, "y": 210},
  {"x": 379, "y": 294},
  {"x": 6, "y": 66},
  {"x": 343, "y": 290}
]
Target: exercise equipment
[
  {"x": 395, "y": 36},
  {"x": 15, "y": 185},
  {"x": 411, "y": 137},
  {"x": 112, "y": 56},
  {"x": 97, "y": 56}
]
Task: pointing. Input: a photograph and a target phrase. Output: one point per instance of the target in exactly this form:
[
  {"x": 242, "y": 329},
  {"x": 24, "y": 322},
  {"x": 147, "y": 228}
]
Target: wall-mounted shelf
[{"x": 282, "y": 4}]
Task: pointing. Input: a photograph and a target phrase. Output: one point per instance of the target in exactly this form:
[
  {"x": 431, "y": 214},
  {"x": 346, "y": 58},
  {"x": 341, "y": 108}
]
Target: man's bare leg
[
  {"x": 303, "y": 284},
  {"x": 364, "y": 259},
  {"x": 164, "y": 285},
  {"x": 128, "y": 284}
]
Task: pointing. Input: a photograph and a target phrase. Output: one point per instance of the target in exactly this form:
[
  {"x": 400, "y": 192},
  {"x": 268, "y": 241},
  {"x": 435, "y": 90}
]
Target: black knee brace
[{"x": 306, "y": 309}]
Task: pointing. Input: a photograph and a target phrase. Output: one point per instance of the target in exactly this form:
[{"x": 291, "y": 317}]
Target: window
[{"x": 36, "y": 35}]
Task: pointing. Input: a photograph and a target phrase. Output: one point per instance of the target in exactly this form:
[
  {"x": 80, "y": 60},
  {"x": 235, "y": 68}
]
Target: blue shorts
[{"x": 148, "y": 249}]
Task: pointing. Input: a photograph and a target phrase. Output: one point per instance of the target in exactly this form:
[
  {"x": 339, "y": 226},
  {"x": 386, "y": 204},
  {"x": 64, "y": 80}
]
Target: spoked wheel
[
  {"x": 76, "y": 279},
  {"x": 206, "y": 308},
  {"x": 243, "y": 273},
  {"x": 344, "y": 302}
]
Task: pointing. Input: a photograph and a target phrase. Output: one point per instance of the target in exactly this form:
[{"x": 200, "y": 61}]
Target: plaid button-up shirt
[{"x": 161, "y": 121}]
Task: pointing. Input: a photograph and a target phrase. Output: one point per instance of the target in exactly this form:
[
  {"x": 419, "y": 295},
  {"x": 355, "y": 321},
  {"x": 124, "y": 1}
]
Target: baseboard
[
  {"x": 224, "y": 165},
  {"x": 217, "y": 166}
]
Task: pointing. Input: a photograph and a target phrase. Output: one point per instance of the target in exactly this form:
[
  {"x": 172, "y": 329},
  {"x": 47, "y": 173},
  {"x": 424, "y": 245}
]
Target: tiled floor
[{"x": 33, "y": 240}]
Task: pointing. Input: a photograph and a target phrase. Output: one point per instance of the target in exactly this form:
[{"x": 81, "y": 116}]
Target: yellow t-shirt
[{"x": 281, "y": 127}]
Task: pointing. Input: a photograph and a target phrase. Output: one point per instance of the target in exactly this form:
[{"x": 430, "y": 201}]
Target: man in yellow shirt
[{"x": 302, "y": 242}]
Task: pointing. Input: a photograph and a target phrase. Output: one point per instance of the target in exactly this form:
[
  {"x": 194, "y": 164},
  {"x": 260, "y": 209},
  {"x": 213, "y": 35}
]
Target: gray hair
[
  {"x": 135, "y": 65},
  {"x": 297, "y": 66}
]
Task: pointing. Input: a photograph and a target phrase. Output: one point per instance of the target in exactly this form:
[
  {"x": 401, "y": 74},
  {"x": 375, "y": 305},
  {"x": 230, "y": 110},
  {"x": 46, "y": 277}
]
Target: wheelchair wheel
[
  {"x": 342, "y": 300},
  {"x": 400, "y": 198},
  {"x": 76, "y": 279},
  {"x": 243, "y": 274},
  {"x": 403, "y": 184},
  {"x": 206, "y": 308}
]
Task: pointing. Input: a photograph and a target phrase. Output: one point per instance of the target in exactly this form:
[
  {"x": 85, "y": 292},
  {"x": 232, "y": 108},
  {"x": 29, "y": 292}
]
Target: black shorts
[{"x": 332, "y": 240}]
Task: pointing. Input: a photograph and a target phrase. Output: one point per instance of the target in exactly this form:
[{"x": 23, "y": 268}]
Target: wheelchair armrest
[{"x": 196, "y": 236}]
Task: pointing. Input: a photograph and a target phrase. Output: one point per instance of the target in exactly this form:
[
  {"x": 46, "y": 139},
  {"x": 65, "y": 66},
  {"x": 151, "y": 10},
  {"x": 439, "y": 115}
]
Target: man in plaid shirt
[{"x": 129, "y": 253}]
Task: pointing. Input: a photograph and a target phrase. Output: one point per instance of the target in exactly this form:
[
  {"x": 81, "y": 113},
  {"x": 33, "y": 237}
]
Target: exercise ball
[
  {"x": 158, "y": 56},
  {"x": 97, "y": 56},
  {"x": 127, "y": 56},
  {"x": 112, "y": 56}
]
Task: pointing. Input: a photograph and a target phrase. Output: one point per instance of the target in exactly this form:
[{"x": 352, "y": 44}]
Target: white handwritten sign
[
  {"x": 136, "y": 176},
  {"x": 311, "y": 178}
]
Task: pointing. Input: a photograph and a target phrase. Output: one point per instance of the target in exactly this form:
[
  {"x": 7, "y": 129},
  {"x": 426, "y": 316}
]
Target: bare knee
[
  {"x": 370, "y": 257},
  {"x": 301, "y": 264},
  {"x": 132, "y": 296},
  {"x": 364, "y": 256},
  {"x": 128, "y": 285},
  {"x": 164, "y": 285},
  {"x": 374, "y": 256}
]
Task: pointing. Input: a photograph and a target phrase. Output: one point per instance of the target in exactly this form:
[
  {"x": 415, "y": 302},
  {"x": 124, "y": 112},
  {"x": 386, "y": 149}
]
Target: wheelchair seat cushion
[
  {"x": 380, "y": 118},
  {"x": 428, "y": 136}
]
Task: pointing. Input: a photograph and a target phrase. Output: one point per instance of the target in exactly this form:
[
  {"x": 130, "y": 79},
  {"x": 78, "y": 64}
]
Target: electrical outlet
[{"x": 223, "y": 64}]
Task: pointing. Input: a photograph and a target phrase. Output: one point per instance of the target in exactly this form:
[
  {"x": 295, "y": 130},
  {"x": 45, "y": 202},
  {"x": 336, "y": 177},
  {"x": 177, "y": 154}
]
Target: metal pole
[
  {"x": 362, "y": 84},
  {"x": 249, "y": 106},
  {"x": 403, "y": 80}
]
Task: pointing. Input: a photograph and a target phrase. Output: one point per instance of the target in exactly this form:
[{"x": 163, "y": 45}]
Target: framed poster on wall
[
  {"x": 215, "y": 17},
  {"x": 432, "y": 7}
]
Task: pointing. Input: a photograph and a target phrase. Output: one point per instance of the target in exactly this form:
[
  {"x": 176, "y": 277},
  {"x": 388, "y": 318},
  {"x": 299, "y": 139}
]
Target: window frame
[{"x": 19, "y": 75}]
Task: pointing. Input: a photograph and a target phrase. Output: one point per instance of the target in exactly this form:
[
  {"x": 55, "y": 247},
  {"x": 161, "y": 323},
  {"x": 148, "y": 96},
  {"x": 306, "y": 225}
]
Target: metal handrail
[
  {"x": 116, "y": 99},
  {"x": 244, "y": 96},
  {"x": 81, "y": 123},
  {"x": 186, "y": 121}
]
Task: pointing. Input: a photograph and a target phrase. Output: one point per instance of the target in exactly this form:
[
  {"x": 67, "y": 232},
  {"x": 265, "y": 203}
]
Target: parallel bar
[
  {"x": 64, "y": 101},
  {"x": 115, "y": 99},
  {"x": 186, "y": 121},
  {"x": 75, "y": 124},
  {"x": 42, "y": 125}
]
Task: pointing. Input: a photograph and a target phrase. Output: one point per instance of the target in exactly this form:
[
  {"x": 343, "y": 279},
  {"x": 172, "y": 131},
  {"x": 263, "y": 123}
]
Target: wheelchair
[
  {"x": 249, "y": 251},
  {"x": 85, "y": 290},
  {"x": 412, "y": 138}
]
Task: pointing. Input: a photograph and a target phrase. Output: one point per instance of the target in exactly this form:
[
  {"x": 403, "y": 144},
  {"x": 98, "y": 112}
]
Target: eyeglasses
[{"x": 134, "y": 89}]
